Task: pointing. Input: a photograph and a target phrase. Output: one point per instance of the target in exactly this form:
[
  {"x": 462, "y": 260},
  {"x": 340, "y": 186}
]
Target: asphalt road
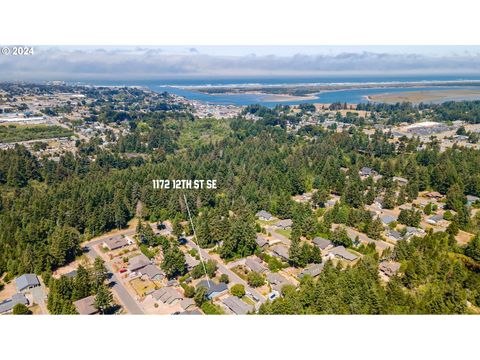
[
  {"x": 232, "y": 276},
  {"x": 130, "y": 304}
]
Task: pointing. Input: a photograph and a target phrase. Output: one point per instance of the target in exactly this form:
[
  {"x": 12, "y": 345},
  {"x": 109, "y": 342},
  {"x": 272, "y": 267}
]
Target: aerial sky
[{"x": 84, "y": 63}]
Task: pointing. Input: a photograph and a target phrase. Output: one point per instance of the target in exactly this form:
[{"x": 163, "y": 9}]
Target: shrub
[
  {"x": 238, "y": 290},
  {"x": 255, "y": 279}
]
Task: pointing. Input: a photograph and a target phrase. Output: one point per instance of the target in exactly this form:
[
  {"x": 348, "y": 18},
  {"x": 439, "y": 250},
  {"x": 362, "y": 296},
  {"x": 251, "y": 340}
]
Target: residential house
[
  {"x": 435, "y": 219},
  {"x": 137, "y": 262},
  {"x": 26, "y": 282},
  {"x": 152, "y": 272},
  {"x": 277, "y": 281},
  {"x": 261, "y": 241},
  {"x": 366, "y": 172},
  {"x": 255, "y": 264},
  {"x": 213, "y": 289},
  {"x": 387, "y": 219},
  {"x": 264, "y": 215},
  {"x": 312, "y": 270},
  {"x": 191, "y": 261},
  {"x": 322, "y": 243},
  {"x": 389, "y": 268},
  {"x": 86, "y": 306},
  {"x": 285, "y": 224},
  {"x": 342, "y": 253},
  {"x": 472, "y": 200},
  {"x": 115, "y": 242},
  {"x": 7, "y": 306},
  {"x": 394, "y": 235},
  {"x": 433, "y": 195},
  {"x": 187, "y": 304},
  {"x": 280, "y": 251},
  {"x": 400, "y": 180},
  {"x": 237, "y": 306},
  {"x": 167, "y": 295}
]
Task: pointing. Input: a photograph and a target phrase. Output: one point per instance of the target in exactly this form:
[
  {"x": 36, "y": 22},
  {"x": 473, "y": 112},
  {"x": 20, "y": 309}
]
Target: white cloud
[{"x": 139, "y": 63}]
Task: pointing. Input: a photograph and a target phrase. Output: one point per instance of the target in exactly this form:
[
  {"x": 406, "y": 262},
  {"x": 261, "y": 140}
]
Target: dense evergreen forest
[{"x": 47, "y": 208}]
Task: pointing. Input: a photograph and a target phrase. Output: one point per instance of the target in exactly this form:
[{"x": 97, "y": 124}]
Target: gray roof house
[
  {"x": 284, "y": 224},
  {"x": 472, "y": 199},
  {"x": 394, "y": 235},
  {"x": 322, "y": 243},
  {"x": 387, "y": 219},
  {"x": 277, "y": 281},
  {"x": 187, "y": 304},
  {"x": 435, "y": 219},
  {"x": 312, "y": 270},
  {"x": 341, "y": 252},
  {"x": 389, "y": 268},
  {"x": 86, "y": 306},
  {"x": 26, "y": 281},
  {"x": 400, "y": 180},
  {"x": 137, "y": 262},
  {"x": 255, "y": 264},
  {"x": 281, "y": 251},
  {"x": 115, "y": 242},
  {"x": 153, "y": 272},
  {"x": 8, "y": 305},
  {"x": 213, "y": 289},
  {"x": 191, "y": 261},
  {"x": 264, "y": 215},
  {"x": 237, "y": 306},
  {"x": 366, "y": 171},
  {"x": 167, "y": 295},
  {"x": 261, "y": 241}
]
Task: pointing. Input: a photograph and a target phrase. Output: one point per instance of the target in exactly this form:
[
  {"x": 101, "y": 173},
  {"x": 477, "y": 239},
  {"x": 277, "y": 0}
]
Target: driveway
[{"x": 126, "y": 299}]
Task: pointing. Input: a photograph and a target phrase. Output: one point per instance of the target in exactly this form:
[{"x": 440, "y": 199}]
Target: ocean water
[{"x": 186, "y": 88}]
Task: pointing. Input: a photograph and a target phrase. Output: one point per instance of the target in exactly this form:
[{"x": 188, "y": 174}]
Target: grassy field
[
  {"x": 286, "y": 233},
  {"x": 15, "y": 133},
  {"x": 203, "y": 131}
]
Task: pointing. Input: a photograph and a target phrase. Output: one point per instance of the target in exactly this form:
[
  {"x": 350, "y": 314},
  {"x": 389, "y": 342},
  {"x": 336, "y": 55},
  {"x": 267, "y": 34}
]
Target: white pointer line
[{"x": 196, "y": 240}]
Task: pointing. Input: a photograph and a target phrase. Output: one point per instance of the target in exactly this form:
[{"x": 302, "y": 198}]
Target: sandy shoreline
[{"x": 426, "y": 96}]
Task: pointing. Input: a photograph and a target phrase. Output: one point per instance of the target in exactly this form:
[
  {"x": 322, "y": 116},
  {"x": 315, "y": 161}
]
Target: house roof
[
  {"x": 255, "y": 264},
  {"x": 167, "y": 295},
  {"x": 389, "y": 267},
  {"x": 115, "y": 242},
  {"x": 387, "y": 219},
  {"x": 342, "y": 252},
  {"x": 284, "y": 223},
  {"x": 213, "y": 287},
  {"x": 472, "y": 198},
  {"x": 26, "y": 281},
  {"x": 191, "y": 261},
  {"x": 312, "y": 270},
  {"x": 436, "y": 218},
  {"x": 261, "y": 241},
  {"x": 281, "y": 251},
  {"x": 86, "y": 306},
  {"x": 237, "y": 306},
  {"x": 151, "y": 271},
  {"x": 187, "y": 303},
  {"x": 277, "y": 281},
  {"x": 394, "y": 234},
  {"x": 137, "y": 262},
  {"x": 321, "y": 242},
  {"x": 8, "y": 305},
  {"x": 264, "y": 214}
]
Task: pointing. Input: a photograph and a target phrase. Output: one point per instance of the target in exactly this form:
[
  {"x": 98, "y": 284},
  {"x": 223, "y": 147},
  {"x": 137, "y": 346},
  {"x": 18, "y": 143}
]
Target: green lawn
[
  {"x": 15, "y": 133},
  {"x": 283, "y": 232}
]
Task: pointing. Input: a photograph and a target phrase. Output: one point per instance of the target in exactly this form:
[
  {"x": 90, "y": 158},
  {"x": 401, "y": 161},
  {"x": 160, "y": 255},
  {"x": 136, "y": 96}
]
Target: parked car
[{"x": 122, "y": 270}]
